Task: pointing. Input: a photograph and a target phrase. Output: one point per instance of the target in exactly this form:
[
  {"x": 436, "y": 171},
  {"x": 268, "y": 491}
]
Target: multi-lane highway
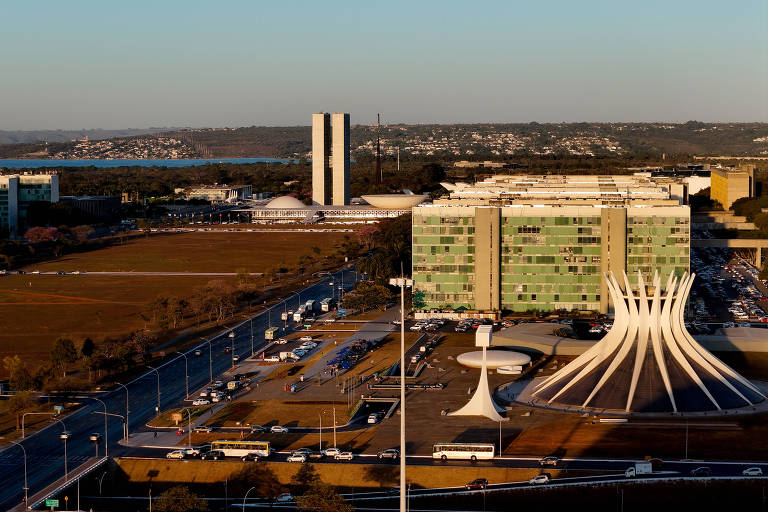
[{"x": 162, "y": 387}]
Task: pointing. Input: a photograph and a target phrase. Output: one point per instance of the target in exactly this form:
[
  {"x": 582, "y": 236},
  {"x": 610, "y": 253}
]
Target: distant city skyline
[{"x": 90, "y": 64}]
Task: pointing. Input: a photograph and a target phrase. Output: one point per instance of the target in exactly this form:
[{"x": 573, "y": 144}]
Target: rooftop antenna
[{"x": 379, "y": 173}]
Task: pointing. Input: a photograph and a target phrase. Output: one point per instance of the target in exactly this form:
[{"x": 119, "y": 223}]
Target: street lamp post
[
  {"x": 158, "y": 387},
  {"x": 246, "y": 497},
  {"x": 127, "y": 425},
  {"x": 186, "y": 371},
  {"x": 320, "y": 415},
  {"x": 26, "y": 486},
  {"x": 189, "y": 427},
  {"x": 32, "y": 414},
  {"x": 252, "y": 352},
  {"x": 210, "y": 360},
  {"x": 64, "y": 436},
  {"x": 402, "y": 282},
  {"x": 106, "y": 441}
]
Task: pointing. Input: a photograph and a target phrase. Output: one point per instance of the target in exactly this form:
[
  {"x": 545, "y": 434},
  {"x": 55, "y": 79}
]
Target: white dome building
[{"x": 285, "y": 202}]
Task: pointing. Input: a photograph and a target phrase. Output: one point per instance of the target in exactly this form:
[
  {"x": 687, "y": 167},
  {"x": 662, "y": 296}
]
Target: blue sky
[{"x": 89, "y": 64}]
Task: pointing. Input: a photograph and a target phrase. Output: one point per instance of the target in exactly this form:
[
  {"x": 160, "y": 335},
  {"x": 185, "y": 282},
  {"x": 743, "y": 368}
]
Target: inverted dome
[
  {"x": 395, "y": 201},
  {"x": 285, "y": 202}
]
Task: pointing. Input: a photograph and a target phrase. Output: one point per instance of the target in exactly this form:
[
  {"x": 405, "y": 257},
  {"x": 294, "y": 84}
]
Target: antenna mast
[{"x": 379, "y": 172}]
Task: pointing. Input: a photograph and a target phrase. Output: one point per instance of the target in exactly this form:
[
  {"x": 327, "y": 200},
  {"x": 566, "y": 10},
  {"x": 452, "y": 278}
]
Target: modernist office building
[
  {"x": 330, "y": 159},
  {"x": 728, "y": 185},
  {"x": 18, "y": 191},
  {"x": 543, "y": 254}
]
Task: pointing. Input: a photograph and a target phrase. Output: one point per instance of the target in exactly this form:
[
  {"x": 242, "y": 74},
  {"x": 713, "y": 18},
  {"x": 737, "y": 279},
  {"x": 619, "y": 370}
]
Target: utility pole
[
  {"x": 402, "y": 282},
  {"x": 379, "y": 174}
]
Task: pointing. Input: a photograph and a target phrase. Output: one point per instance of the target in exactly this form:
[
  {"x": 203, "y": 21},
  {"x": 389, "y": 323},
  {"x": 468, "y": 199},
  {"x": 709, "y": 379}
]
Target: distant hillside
[
  {"x": 447, "y": 142},
  {"x": 21, "y": 137}
]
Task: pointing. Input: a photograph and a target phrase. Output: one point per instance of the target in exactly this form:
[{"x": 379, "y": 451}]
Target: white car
[
  {"x": 283, "y": 498},
  {"x": 281, "y": 341},
  {"x": 297, "y": 457},
  {"x": 272, "y": 359},
  {"x": 331, "y": 452},
  {"x": 305, "y": 338},
  {"x": 201, "y": 401},
  {"x": 176, "y": 454},
  {"x": 752, "y": 472},
  {"x": 344, "y": 456},
  {"x": 539, "y": 479},
  {"x": 278, "y": 429}
]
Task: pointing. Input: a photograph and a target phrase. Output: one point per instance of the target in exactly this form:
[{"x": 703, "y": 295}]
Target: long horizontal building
[{"x": 542, "y": 254}]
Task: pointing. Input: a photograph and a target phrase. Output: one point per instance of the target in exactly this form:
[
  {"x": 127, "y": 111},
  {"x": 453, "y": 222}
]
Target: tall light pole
[
  {"x": 320, "y": 415},
  {"x": 26, "y": 486},
  {"x": 64, "y": 436},
  {"x": 186, "y": 371},
  {"x": 189, "y": 427},
  {"x": 402, "y": 282},
  {"x": 106, "y": 440},
  {"x": 252, "y": 352},
  {"x": 32, "y": 414},
  {"x": 127, "y": 425},
  {"x": 158, "y": 387},
  {"x": 210, "y": 359},
  {"x": 246, "y": 497}
]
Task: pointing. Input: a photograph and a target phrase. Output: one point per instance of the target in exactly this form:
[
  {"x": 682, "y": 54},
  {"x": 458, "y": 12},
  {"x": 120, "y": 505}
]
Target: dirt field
[{"x": 36, "y": 309}]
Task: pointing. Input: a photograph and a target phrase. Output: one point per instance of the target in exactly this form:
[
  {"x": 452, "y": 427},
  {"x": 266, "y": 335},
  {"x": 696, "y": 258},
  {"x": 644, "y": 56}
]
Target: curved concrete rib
[{"x": 641, "y": 319}]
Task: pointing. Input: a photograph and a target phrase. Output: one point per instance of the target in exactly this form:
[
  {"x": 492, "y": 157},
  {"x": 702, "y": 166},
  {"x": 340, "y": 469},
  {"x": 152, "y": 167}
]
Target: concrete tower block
[
  {"x": 321, "y": 155},
  {"x": 340, "y": 153}
]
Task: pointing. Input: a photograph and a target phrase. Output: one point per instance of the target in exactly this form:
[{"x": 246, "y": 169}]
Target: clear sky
[{"x": 118, "y": 64}]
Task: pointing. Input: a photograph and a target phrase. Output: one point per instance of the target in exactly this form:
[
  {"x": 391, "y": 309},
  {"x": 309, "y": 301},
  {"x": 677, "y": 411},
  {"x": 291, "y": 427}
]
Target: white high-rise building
[
  {"x": 330, "y": 159},
  {"x": 321, "y": 154},
  {"x": 340, "y": 156}
]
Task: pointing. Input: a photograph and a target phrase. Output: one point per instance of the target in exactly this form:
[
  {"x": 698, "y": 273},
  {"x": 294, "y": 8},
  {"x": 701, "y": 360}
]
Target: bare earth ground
[{"x": 36, "y": 309}]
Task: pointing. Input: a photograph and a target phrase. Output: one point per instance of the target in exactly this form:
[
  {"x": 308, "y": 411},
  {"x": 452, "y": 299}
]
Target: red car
[{"x": 478, "y": 483}]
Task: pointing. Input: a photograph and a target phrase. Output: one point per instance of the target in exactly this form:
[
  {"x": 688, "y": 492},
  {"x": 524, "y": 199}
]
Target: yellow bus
[
  {"x": 240, "y": 448},
  {"x": 269, "y": 334}
]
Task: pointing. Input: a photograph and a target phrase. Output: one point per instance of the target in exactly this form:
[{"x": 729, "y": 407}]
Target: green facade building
[{"x": 541, "y": 257}]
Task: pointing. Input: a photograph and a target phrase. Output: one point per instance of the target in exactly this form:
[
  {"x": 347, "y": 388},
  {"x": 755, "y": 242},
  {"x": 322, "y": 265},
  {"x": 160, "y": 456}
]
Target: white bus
[
  {"x": 463, "y": 451},
  {"x": 241, "y": 448}
]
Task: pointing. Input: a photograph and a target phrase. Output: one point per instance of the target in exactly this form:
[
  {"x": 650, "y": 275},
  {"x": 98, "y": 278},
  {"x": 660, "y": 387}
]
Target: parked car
[
  {"x": 213, "y": 455},
  {"x": 752, "y": 472},
  {"x": 478, "y": 483},
  {"x": 302, "y": 451},
  {"x": 175, "y": 454},
  {"x": 549, "y": 461},
  {"x": 201, "y": 401},
  {"x": 305, "y": 338},
  {"x": 258, "y": 428},
  {"x": 702, "y": 471},
  {"x": 331, "y": 452},
  {"x": 272, "y": 359},
  {"x": 539, "y": 479},
  {"x": 344, "y": 456},
  {"x": 278, "y": 429},
  {"x": 299, "y": 457},
  {"x": 203, "y": 429},
  {"x": 390, "y": 453}
]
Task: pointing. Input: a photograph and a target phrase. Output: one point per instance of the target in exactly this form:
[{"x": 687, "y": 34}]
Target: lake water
[{"x": 181, "y": 162}]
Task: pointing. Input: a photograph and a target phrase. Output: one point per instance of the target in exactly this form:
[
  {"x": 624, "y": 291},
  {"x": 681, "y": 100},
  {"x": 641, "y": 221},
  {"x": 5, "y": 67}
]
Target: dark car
[
  {"x": 316, "y": 455},
  {"x": 388, "y": 454},
  {"x": 702, "y": 471},
  {"x": 251, "y": 457},
  {"x": 212, "y": 455},
  {"x": 258, "y": 428},
  {"x": 477, "y": 483}
]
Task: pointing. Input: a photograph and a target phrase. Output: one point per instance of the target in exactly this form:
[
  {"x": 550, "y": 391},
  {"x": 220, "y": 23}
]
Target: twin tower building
[{"x": 330, "y": 159}]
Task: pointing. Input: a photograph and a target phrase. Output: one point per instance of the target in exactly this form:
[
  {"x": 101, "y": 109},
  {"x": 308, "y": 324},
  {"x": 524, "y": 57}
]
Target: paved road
[{"x": 45, "y": 451}]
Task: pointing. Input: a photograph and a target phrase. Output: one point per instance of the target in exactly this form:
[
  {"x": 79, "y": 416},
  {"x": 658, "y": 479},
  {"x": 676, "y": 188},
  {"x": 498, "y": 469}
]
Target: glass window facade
[{"x": 550, "y": 257}]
